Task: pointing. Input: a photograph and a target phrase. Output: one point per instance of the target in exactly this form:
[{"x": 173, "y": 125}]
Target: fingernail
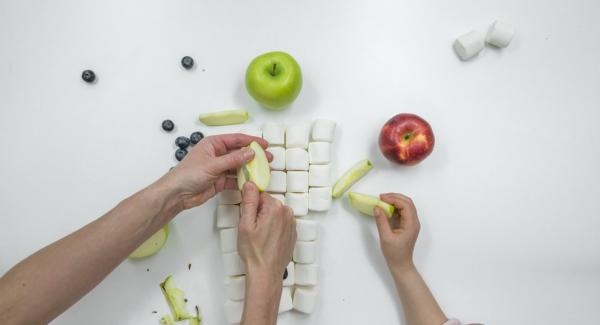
[{"x": 247, "y": 153}]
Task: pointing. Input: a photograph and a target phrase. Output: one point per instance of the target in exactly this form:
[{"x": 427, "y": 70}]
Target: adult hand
[{"x": 398, "y": 235}]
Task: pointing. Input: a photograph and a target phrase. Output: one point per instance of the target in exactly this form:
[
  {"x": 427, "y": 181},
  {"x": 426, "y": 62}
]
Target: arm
[
  {"x": 398, "y": 237},
  {"x": 267, "y": 235},
  {"x": 48, "y": 282}
]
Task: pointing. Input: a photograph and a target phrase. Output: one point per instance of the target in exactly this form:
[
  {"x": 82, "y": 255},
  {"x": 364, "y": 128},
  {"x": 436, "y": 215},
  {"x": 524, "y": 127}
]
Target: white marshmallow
[
  {"x": 319, "y": 153},
  {"x": 319, "y": 198},
  {"x": 307, "y": 230},
  {"x": 296, "y": 159},
  {"x": 289, "y": 280},
  {"x": 306, "y": 274},
  {"x": 500, "y": 34},
  {"x": 233, "y": 311},
  {"x": 228, "y": 215},
  {"x": 319, "y": 175},
  {"x": 279, "y": 197},
  {"x": 233, "y": 264},
  {"x": 305, "y": 252},
  {"x": 305, "y": 300},
  {"x": 230, "y": 197},
  {"x": 277, "y": 184},
  {"x": 278, "y": 162},
  {"x": 296, "y": 136},
  {"x": 285, "y": 304},
  {"x": 297, "y": 181},
  {"x": 274, "y": 133},
  {"x": 298, "y": 202},
  {"x": 253, "y": 132},
  {"x": 323, "y": 130},
  {"x": 229, "y": 240},
  {"x": 469, "y": 45},
  {"x": 235, "y": 287}
]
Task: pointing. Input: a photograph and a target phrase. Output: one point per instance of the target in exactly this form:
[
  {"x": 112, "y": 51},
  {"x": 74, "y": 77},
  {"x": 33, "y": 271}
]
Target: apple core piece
[{"x": 175, "y": 298}]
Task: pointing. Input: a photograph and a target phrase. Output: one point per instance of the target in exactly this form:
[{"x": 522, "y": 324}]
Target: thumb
[
  {"x": 383, "y": 225},
  {"x": 234, "y": 159},
  {"x": 249, "y": 206}
]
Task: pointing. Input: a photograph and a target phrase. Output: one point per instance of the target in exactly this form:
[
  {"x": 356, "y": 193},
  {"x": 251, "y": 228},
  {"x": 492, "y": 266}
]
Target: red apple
[{"x": 406, "y": 139}]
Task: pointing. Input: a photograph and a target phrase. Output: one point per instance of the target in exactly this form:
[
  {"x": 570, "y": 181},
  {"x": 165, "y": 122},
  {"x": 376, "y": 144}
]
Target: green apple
[
  {"x": 257, "y": 170},
  {"x": 152, "y": 245},
  {"x": 234, "y": 116},
  {"x": 366, "y": 203},
  {"x": 175, "y": 298},
  {"x": 274, "y": 80},
  {"x": 351, "y": 176}
]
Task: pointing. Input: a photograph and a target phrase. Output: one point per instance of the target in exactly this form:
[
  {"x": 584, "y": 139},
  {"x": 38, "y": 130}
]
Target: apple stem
[{"x": 274, "y": 67}]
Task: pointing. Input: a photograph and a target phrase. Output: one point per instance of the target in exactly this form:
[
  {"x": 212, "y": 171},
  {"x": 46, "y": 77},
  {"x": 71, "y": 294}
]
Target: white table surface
[{"x": 508, "y": 200}]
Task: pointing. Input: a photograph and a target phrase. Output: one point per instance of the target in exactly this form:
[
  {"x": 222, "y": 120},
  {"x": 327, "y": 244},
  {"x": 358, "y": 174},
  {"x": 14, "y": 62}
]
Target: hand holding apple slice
[
  {"x": 366, "y": 203},
  {"x": 152, "y": 245},
  {"x": 257, "y": 170},
  {"x": 236, "y": 116},
  {"x": 351, "y": 176}
]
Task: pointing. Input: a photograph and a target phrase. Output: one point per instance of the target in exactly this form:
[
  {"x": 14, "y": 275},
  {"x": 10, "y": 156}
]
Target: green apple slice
[
  {"x": 350, "y": 177},
  {"x": 167, "y": 320},
  {"x": 257, "y": 170},
  {"x": 175, "y": 298},
  {"x": 152, "y": 245},
  {"x": 365, "y": 204},
  {"x": 236, "y": 116}
]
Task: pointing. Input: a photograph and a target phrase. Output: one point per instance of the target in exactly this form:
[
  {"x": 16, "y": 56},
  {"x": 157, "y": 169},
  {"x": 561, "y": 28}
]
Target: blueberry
[
  {"x": 168, "y": 125},
  {"x": 88, "y": 76},
  {"x": 196, "y": 137},
  {"x": 187, "y": 62},
  {"x": 180, "y": 154},
  {"x": 182, "y": 142},
  {"x": 285, "y": 274}
]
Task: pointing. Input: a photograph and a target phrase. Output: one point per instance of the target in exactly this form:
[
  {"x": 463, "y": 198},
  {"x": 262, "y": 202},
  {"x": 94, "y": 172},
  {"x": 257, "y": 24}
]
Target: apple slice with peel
[
  {"x": 235, "y": 116},
  {"x": 167, "y": 320},
  {"x": 152, "y": 245},
  {"x": 365, "y": 204},
  {"x": 175, "y": 298},
  {"x": 350, "y": 177},
  {"x": 257, "y": 170}
]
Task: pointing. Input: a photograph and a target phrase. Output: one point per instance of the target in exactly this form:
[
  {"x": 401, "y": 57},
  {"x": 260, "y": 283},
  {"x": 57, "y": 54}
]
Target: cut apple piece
[
  {"x": 175, "y": 298},
  {"x": 351, "y": 176},
  {"x": 152, "y": 245},
  {"x": 235, "y": 116},
  {"x": 257, "y": 170},
  {"x": 365, "y": 204},
  {"x": 167, "y": 320}
]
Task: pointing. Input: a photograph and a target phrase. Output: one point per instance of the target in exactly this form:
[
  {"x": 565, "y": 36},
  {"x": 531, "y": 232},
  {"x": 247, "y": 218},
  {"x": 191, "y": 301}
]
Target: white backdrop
[{"x": 508, "y": 200}]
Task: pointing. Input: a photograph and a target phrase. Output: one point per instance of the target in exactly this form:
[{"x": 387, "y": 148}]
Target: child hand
[{"x": 398, "y": 235}]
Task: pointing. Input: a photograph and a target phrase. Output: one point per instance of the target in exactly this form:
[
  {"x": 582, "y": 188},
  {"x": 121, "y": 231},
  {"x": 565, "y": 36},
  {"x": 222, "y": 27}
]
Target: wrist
[
  {"x": 403, "y": 271},
  {"x": 164, "y": 199}
]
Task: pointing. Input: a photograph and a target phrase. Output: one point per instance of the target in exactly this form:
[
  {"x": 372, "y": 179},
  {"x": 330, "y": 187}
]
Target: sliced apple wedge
[
  {"x": 257, "y": 170},
  {"x": 235, "y": 116},
  {"x": 350, "y": 177},
  {"x": 365, "y": 204},
  {"x": 152, "y": 245},
  {"x": 175, "y": 298}
]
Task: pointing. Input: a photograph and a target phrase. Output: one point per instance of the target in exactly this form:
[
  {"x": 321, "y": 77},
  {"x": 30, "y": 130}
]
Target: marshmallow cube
[
  {"x": 278, "y": 162},
  {"x": 305, "y": 252},
  {"x": 469, "y": 45},
  {"x": 307, "y": 230},
  {"x": 235, "y": 287},
  {"x": 305, "y": 300},
  {"x": 298, "y": 202},
  {"x": 296, "y": 159},
  {"x": 233, "y": 264},
  {"x": 289, "y": 280},
  {"x": 233, "y": 311},
  {"x": 500, "y": 34},
  {"x": 228, "y": 216},
  {"x": 230, "y": 197},
  {"x": 319, "y": 175},
  {"x": 319, "y": 153},
  {"x": 323, "y": 130},
  {"x": 306, "y": 274},
  {"x": 285, "y": 304},
  {"x": 277, "y": 184},
  {"x": 297, "y": 181},
  {"x": 296, "y": 136},
  {"x": 319, "y": 198},
  {"x": 229, "y": 240},
  {"x": 274, "y": 133},
  {"x": 279, "y": 197}
]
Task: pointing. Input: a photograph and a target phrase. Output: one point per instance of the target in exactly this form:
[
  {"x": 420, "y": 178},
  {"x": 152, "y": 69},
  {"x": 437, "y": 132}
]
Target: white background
[{"x": 508, "y": 200}]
